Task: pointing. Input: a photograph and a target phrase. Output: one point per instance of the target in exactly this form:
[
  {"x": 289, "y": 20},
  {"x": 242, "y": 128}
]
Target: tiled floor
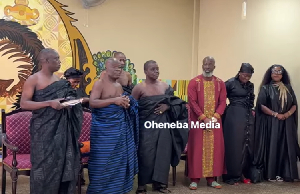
[{"x": 182, "y": 186}]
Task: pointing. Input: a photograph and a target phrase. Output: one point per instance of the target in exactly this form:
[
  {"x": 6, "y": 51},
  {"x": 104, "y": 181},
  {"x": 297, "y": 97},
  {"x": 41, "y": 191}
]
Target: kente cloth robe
[
  {"x": 238, "y": 128},
  {"x": 113, "y": 159},
  {"x": 160, "y": 148},
  {"x": 81, "y": 94},
  {"x": 54, "y": 138},
  {"x": 128, "y": 89},
  {"x": 276, "y": 149},
  {"x": 205, "y": 151}
]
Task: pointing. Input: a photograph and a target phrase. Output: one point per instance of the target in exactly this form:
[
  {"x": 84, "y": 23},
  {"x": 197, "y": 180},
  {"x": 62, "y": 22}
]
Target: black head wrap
[
  {"x": 246, "y": 68},
  {"x": 72, "y": 73}
]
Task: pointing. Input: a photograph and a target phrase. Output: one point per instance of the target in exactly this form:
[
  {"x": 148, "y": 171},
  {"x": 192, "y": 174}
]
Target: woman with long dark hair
[
  {"x": 238, "y": 126},
  {"x": 276, "y": 139}
]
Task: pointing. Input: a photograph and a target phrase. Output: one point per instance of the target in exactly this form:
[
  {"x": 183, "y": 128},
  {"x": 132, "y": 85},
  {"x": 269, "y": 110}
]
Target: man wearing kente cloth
[
  {"x": 125, "y": 78},
  {"x": 160, "y": 146},
  {"x": 276, "y": 148},
  {"x": 114, "y": 135},
  {"x": 205, "y": 150},
  {"x": 54, "y": 129}
]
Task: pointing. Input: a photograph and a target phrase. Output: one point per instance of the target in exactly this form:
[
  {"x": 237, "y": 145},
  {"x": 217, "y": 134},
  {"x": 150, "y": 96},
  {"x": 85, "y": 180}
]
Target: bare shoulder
[
  {"x": 164, "y": 84},
  {"x": 32, "y": 79},
  {"x": 127, "y": 73},
  {"x": 29, "y": 86},
  {"x": 102, "y": 74},
  {"x": 138, "y": 86},
  {"x": 137, "y": 91},
  {"x": 98, "y": 84},
  {"x": 118, "y": 85}
]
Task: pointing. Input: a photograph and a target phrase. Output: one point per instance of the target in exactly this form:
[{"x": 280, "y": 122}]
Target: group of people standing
[
  {"x": 121, "y": 146},
  {"x": 254, "y": 143}
]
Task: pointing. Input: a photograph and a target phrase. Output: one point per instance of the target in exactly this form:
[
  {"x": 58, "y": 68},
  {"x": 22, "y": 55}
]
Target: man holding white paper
[{"x": 54, "y": 129}]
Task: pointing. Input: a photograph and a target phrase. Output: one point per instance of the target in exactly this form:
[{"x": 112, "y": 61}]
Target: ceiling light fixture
[{"x": 244, "y": 9}]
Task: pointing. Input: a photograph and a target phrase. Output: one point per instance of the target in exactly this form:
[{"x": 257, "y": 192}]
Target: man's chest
[{"x": 153, "y": 91}]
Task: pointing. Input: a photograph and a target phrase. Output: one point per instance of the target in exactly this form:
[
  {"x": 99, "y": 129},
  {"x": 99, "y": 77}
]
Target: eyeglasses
[{"x": 277, "y": 72}]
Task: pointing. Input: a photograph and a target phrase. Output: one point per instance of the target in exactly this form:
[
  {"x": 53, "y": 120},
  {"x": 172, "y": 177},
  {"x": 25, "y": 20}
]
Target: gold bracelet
[{"x": 289, "y": 113}]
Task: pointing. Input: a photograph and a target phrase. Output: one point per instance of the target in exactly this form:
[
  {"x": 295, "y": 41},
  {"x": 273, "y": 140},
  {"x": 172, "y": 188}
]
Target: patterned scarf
[{"x": 283, "y": 90}]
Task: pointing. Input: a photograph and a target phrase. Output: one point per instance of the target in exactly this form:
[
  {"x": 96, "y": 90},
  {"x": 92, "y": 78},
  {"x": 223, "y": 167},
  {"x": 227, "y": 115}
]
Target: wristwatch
[{"x": 213, "y": 119}]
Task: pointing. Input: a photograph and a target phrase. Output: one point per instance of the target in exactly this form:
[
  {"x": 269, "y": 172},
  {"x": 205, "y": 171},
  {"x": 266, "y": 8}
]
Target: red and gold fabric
[{"x": 205, "y": 155}]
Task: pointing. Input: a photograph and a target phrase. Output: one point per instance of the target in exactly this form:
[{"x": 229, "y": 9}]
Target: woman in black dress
[
  {"x": 74, "y": 76},
  {"x": 276, "y": 139},
  {"x": 238, "y": 126}
]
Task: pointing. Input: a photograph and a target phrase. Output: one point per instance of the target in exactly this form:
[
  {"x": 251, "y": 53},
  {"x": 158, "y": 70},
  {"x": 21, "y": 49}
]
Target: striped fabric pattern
[{"x": 113, "y": 157}]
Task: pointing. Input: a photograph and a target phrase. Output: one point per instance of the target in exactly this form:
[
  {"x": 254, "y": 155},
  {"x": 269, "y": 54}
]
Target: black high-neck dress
[{"x": 238, "y": 126}]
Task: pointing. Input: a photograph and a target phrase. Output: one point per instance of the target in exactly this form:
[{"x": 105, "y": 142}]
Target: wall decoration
[
  {"x": 19, "y": 48},
  {"x": 28, "y": 26},
  {"x": 179, "y": 86},
  {"x": 22, "y": 13},
  {"x": 99, "y": 63}
]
